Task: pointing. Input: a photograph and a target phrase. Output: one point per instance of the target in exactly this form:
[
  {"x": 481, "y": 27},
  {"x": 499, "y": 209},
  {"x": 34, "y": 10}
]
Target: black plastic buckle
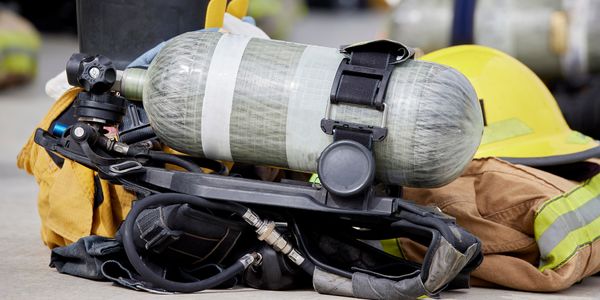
[
  {"x": 378, "y": 134},
  {"x": 363, "y": 76}
]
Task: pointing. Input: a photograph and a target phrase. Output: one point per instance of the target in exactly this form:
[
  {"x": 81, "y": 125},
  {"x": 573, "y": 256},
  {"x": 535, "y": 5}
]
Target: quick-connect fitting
[
  {"x": 251, "y": 218},
  {"x": 253, "y": 258},
  {"x": 267, "y": 232}
]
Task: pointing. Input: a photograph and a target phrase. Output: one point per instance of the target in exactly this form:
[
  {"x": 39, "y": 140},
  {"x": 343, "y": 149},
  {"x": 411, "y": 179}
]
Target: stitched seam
[
  {"x": 489, "y": 248},
  {"x": 513, "y": 174},
  {"x": 519, "y": 207}
]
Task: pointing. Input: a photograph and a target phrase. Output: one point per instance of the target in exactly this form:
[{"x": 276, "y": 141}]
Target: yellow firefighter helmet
[{"x": 523, "y": 121}]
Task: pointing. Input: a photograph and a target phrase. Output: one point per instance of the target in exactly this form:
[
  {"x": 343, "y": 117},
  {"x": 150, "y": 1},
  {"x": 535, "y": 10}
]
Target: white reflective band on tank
[
  {"x": 308, "y": 101},
  {"x": 218, "y": 95}
]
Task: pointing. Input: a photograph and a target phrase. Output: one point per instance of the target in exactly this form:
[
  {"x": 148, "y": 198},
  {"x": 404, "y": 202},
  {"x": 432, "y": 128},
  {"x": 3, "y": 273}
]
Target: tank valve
[{"x": 96, "y": 75}]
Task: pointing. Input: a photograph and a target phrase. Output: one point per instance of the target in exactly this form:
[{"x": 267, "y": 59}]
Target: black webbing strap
[
  {"x": 361, "y": 79},
  {"x": 365, "y": 138},
  {"x": 153, "y": 230}
]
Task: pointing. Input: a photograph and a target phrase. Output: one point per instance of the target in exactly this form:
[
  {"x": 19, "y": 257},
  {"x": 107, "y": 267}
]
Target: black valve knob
[
  {"x": 346, "y": 168},
  {"x": 96, "y": 74}
]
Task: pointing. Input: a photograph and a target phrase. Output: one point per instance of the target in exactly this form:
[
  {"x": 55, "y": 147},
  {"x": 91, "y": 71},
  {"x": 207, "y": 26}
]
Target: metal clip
[
  {"x": 379, "y": 133},
  {"x": 125, "y": 167}
]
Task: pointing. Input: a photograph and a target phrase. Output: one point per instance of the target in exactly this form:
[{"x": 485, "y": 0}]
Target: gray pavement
[{"x": 24, "y": 271}]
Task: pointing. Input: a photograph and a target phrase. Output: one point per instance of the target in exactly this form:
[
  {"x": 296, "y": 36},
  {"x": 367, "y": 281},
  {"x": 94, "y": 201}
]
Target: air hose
[
  {"x": 175, "y": 160},
  {"x": 196, "y": 165},
  {"x": 264, "y": 229}
]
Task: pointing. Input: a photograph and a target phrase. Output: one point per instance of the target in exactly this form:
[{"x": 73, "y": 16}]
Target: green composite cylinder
[{"x": 229, "y": 97}]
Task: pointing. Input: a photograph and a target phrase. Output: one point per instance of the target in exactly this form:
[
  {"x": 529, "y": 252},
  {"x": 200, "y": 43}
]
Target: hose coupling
[{"x": 267, "y": 232}]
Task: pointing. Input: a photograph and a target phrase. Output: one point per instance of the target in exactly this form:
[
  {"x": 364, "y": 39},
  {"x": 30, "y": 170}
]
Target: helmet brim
[{"x": 529, "y": 148}]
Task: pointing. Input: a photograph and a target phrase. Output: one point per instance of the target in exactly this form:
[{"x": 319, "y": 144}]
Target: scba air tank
[{"x": 230, "y": 97}]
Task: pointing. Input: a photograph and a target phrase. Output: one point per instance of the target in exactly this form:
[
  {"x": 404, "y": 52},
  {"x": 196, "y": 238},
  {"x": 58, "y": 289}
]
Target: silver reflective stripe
[
  {"x": 218, "y": 95},
  {"x": 567, "y": 223},
  {"x": 307, "y": 105}
]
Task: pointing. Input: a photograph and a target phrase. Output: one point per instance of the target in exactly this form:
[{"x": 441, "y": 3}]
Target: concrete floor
[{"x": 24, "y": 271}]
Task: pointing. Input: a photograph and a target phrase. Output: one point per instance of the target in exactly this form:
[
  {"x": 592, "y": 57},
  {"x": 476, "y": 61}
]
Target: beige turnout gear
[{"x": 539, "y": 231}]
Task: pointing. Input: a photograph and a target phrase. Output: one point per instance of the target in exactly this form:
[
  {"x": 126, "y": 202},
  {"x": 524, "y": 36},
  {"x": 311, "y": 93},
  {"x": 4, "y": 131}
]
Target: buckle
[
  {"x": 125, "y": 167},
  {"x": 378, "y": 134},
  {"x": 362, "y": 77},
  {"x": 364, "y": 85}
]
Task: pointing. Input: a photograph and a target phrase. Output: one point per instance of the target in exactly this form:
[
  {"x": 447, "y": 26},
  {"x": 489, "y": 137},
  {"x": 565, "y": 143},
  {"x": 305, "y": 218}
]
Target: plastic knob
[
  {"x": 95, "y": 74},
  {"x": 346, "y": 168}
]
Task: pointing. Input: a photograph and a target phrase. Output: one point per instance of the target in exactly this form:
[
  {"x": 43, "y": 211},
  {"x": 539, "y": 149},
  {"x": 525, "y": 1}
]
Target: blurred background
[{"x": 558, "y": 39}]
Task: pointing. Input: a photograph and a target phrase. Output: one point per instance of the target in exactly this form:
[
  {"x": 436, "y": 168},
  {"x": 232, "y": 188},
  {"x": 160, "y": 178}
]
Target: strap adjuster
[
  {"x": 378, "y": 134},
  {"x": 363, "y": 76},
  {"x": 125, "y": 167}
]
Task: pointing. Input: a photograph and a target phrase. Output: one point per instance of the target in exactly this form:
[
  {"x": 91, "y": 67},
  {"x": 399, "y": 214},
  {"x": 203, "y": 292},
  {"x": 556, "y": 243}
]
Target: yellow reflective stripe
[
  {"x": 314, "y": 178},
  {"x": 568, "y": 222},
  {"x": 578, "y": 138},
  {"x": 569, "y": 246},
  {"x": 504, "y": 130},
  {"x": 553, "y": 209}
]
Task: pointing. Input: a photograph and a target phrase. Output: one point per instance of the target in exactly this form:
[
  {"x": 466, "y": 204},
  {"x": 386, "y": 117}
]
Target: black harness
[{"x": 194, "y": 220}]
